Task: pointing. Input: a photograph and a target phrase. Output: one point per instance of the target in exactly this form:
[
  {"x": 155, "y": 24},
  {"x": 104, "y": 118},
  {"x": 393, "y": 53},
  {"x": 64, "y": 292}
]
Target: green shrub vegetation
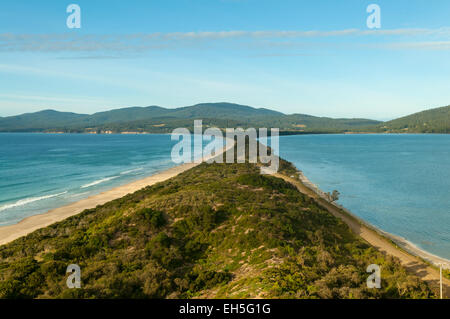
[
  {"x": 216, "y": 231},
  {"x": 155, "y": 119},
  {"x": 435, "y": 120}
]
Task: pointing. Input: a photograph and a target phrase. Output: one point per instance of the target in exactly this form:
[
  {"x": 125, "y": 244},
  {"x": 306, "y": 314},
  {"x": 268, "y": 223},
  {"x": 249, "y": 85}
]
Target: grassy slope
[{"x": 220, "y": 230}]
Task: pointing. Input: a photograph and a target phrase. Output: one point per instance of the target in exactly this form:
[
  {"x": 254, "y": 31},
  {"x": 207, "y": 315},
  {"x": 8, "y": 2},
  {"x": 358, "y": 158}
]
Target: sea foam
[
  {"x": 132, "y": 171},
  {"x": 99, "y": 181},
  {"x": 29, "y": 200}
]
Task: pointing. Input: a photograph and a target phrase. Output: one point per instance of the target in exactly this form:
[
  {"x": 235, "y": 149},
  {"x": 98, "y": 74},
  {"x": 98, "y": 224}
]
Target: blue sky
[{"x": 313, "y": 57}]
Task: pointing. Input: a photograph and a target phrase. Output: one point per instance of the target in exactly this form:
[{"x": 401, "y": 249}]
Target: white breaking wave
[
  {"x": 132, "y": 171},
  {"x": 26, "y": 201},
  {"x": 78, "y": 195},
  {"x": 99, "y": 181}
]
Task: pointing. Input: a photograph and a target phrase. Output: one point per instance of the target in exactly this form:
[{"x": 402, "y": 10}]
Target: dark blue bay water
[
  {"x": 39, "y": 172},
  {"x": 399, "y": 183}
]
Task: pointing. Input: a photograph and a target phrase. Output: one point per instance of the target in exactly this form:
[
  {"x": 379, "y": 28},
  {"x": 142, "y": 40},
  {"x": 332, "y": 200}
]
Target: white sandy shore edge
[
  {"x": 32, "y": 223},
  {"x": 398, "y": 240}
]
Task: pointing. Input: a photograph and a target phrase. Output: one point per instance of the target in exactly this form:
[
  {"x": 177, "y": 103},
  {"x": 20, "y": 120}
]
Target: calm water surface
[{"x": 399, "y": 183}]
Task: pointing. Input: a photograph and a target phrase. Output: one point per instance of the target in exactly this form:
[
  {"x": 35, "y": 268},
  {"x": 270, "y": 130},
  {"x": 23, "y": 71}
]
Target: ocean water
[
  {"x": 398, "y": 183},
  {"x": 39, "y": 172}
]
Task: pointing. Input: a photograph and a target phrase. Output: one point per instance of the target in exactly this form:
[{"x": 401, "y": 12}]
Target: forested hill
[
  {"x": 217, "y": 231},
  {"x": 155, "y": 119},
  {"x": 436, "y": 120}
]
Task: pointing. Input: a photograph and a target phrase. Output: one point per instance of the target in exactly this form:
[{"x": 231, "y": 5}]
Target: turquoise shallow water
[
  {"x": 399, "y": 183},
  {"x": 39, "y": 172}
]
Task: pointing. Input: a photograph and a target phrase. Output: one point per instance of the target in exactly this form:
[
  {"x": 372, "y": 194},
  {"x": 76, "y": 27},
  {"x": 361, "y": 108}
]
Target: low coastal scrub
[{"x": 215, "y": 231}]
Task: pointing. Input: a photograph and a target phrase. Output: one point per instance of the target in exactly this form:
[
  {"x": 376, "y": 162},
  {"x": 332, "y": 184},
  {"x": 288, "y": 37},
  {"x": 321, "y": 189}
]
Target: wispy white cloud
[
  {"x": 50, "y": 98},
  {"x": 90, "y": 57},
  {"x": 156, "y": 41},
  {"x": 424, "y": 45}
]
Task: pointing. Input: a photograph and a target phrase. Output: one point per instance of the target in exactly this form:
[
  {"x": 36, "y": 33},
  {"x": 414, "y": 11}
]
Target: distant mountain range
[{"x": 156, "y": 119}]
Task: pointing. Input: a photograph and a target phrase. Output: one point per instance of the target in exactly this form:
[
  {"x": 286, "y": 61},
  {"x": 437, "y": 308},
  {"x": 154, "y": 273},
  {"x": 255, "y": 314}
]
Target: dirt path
[{"x": 410, "y": 262}]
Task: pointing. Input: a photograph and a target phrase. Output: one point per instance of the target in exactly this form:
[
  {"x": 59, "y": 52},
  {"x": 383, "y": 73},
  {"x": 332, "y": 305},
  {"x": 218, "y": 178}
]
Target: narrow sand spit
[{"x": 381, "y": 242}]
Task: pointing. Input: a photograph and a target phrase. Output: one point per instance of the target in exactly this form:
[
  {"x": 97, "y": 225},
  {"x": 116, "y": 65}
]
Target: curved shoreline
[
  {"x": 403, "y": 243},
  {"x": 414, "y": 264},
  {"x": 29, "y": 224},
  {"x": 413, "y": 258}
]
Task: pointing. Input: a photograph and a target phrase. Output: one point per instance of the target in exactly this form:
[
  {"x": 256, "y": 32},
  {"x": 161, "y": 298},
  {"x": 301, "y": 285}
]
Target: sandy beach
[
  {"x": 411, "y": 257},
  {"x": 32, "y": 223},
  {"x": 399, "y": 241}
]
